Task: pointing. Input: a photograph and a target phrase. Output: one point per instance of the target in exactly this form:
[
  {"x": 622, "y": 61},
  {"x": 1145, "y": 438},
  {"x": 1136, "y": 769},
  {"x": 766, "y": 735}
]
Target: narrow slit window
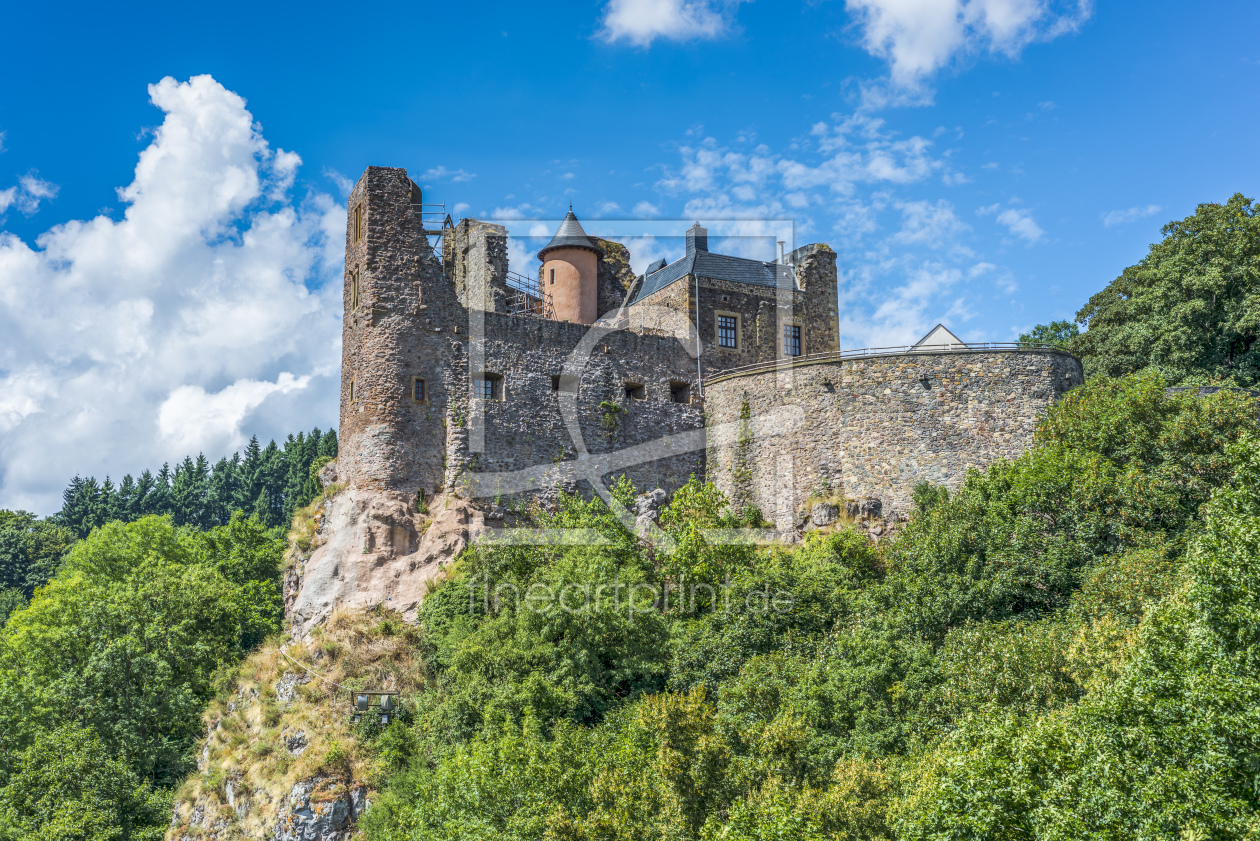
[
  {"x": 353, "y": 391},
  {"x": 357, "y": 223},
  {"x": 419, "y": 394},
  {"x": 354, "y": 288},
  {"x": 555, "y": 382},
  {"x": 551, "y": 279},
  {"x": 728, "y": 331},
  {"x": 791, "y": 340}
]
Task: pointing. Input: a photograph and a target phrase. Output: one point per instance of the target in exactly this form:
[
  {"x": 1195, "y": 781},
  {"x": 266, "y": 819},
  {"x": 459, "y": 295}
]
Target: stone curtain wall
[
  {"x": 525, "y": 429},
  {"x": 876, "y": 426}
]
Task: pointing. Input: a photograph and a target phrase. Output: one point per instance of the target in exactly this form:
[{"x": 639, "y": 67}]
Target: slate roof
[
  {"x": 569, "y": 235},
  {"x": 717, "y": 266}
]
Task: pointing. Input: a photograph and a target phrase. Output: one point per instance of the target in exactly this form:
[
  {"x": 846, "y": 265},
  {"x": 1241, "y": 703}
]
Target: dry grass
[
  {"x": 246, "y": 724},
  {"x": 304, "y": 533}
]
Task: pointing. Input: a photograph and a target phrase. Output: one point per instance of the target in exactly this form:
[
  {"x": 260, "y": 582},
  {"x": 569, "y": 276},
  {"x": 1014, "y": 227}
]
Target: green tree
[
  {"x": 1058, "y": 334},
  {"x": 1190, "y": 309},
  {"x": 1165, "y": 750},
  {"x": 127, "y": 638},
  {"x": 68, "y": 787}
]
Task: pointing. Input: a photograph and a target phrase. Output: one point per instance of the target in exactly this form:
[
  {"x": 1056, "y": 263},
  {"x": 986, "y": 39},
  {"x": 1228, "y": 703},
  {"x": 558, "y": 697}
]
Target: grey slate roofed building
[{"x": 701, "y": 262}]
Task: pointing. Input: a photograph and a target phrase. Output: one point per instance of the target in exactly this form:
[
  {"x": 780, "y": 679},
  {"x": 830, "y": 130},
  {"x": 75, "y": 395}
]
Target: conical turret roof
[{"x": 569, "y": 235}]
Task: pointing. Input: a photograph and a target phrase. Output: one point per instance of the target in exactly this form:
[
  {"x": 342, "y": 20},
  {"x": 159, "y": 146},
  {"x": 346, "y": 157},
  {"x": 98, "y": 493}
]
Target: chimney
[{"x": 697, "y": 239}]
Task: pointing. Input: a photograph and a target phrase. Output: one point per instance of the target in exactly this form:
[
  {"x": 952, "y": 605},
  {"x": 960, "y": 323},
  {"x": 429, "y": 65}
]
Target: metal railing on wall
[{"x": 896, "y": 350}]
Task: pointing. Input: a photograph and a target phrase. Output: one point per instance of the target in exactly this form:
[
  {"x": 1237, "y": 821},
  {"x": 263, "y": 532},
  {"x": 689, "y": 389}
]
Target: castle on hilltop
[{"x": 461, "y": 377}]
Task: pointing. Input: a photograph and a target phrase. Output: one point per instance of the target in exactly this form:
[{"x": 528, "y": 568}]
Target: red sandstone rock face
[{"x": 374, "y": 548}]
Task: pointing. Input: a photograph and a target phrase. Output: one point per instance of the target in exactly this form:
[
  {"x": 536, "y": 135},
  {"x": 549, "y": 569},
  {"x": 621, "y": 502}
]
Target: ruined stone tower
[{"x": 396, "y": 340}]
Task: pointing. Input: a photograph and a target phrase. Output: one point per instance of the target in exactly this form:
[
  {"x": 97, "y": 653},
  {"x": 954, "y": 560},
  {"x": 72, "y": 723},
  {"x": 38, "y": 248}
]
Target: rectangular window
[
  {"x": 356, "y": 224},
  {"x": 418, "y": 394},
  {"x": 488, "y": 387},
  {"x": 552, "y": 278},
  {"x": 680, "y": 392},
  {"x": 353, "y": 394},
  {"x": 555, "y": 382},
  {"x": 635, "y": 391},
  {"x": 354, "y": 288},
  {"x": 791, "y": 340},
  {"x": 728, "y": 331}
]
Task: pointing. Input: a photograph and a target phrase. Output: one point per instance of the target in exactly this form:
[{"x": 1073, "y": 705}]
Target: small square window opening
[
  {"x": 636, "y": 391},
  {"x": 488, "y": 387},
  {"x": 680, "y": 392}
]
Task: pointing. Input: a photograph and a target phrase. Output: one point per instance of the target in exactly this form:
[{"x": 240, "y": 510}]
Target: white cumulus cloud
[
  {"x": 1017, "y": 220},
  {"x": 209, "y": 311},
  {"x": 1132, "y": 214},
  {"x": 640, "y": 22},
  {"x": 27, "y": 195},
  {"x": 919, "y": 37}
]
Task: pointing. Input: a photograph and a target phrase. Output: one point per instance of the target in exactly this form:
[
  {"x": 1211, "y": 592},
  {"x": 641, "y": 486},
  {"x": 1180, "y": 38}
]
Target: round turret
[{"x": 569, "y": 272}]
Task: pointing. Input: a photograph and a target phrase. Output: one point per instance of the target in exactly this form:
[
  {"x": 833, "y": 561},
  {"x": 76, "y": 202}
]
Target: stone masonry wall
[
  {"x": 417, "y": 317},
  {"x": 876, "y": 426},
  {"x": 809, "y": 301},
  {"x": 400, "y": 329},
  {"x": 524, "y": 428}
]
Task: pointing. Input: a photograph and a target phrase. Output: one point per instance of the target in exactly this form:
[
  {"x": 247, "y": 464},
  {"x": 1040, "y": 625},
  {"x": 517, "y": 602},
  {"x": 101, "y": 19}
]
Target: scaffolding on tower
[{"x": 525, "y": 297}]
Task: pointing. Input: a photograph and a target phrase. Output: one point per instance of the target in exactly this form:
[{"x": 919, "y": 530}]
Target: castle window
[
  {"x": 552, "y": 279},
  {"x": 555, "y": 382},
  {"x": 353, "y": 391},
  {"x": 791, "y": 340},
  {"x": 419, "y": 394},
  {"x": 728, "y": 330},
  {"x": 635, "y": 391},
  {"x": 679, "y": 392},
  {"x": 356, "y": 224},
  {"x": 488, "y": 387},
  {"x": 354, "y": 288}
]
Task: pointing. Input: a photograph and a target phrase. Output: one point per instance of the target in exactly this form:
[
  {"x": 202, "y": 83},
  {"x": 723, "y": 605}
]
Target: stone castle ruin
[{"x": 466, "y": 389}]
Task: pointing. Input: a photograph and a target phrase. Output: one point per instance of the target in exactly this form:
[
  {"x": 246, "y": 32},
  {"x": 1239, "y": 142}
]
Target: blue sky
[{"x": 170, "y": 255}]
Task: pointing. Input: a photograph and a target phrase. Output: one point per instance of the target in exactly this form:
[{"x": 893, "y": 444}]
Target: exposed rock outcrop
[
  {"x": 320, "y": 809},
  {"x": 376, "y": 548}
]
